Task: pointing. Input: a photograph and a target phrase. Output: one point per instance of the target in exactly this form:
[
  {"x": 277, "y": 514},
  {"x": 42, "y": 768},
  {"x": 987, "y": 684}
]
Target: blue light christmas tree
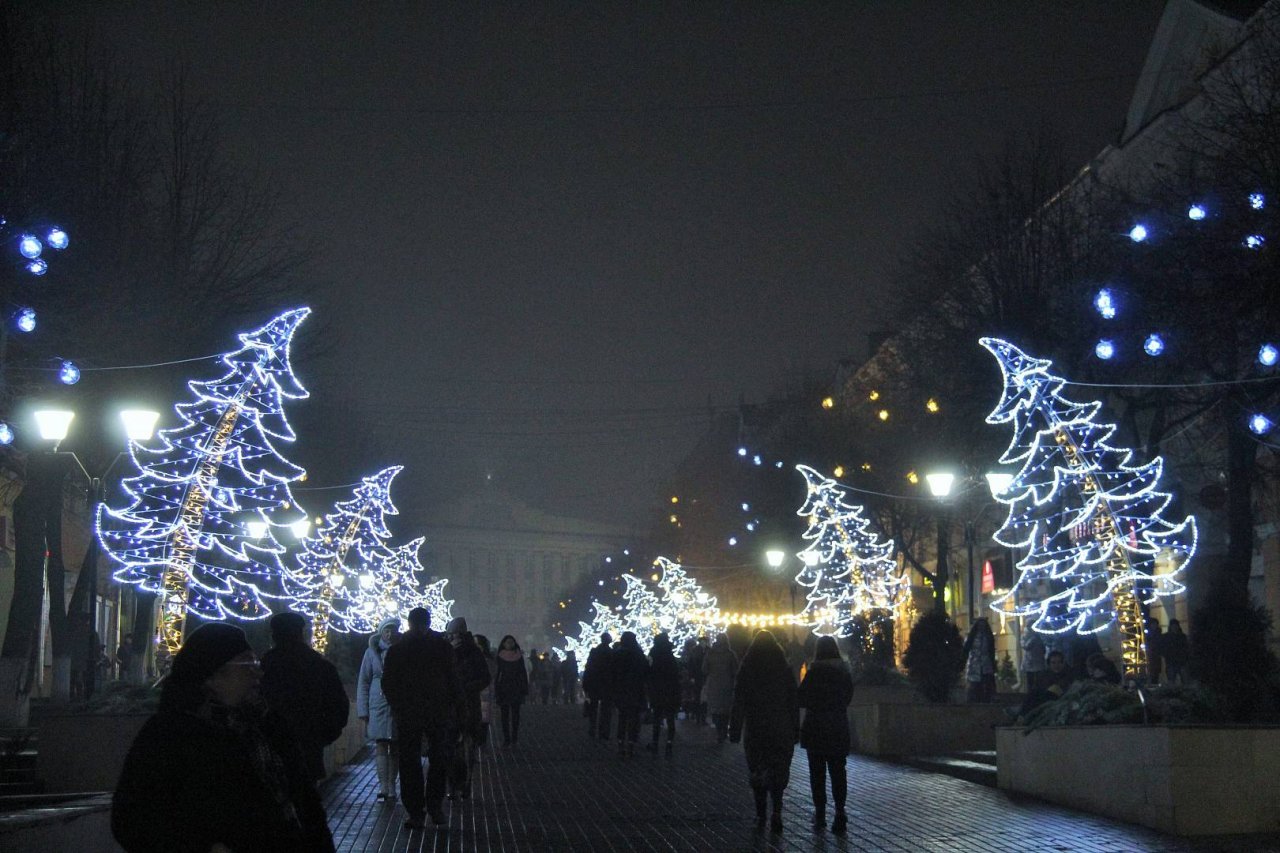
[
  {"x": 1096, "y": 547},
  {"x": 345, "y": 565},
  {"x": 849, "y": 571},
  {"x": 203, "y": 510}
]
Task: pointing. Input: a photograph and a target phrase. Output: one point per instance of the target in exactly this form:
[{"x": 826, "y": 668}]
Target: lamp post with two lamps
[
  {"x": 53, "y": 425},
  {"x": 941, "y": 484}
]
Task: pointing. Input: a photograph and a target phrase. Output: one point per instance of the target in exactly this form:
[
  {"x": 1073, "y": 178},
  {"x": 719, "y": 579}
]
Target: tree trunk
[
  {"x": 1241, "y": 455},
  {"x": 62, "y": 631},
  {"x": 17, "y": 655}
]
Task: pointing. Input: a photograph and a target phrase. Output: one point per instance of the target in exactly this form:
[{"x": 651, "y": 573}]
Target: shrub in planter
[
  {"x": 1230, "y": 656},
  {"x": 934, "y": 656},
  {"x": 1093, "y": 703}
]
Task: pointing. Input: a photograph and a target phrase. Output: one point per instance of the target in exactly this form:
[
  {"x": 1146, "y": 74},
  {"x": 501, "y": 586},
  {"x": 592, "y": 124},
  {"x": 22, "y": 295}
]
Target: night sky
[{"x": 551, "y": 235}]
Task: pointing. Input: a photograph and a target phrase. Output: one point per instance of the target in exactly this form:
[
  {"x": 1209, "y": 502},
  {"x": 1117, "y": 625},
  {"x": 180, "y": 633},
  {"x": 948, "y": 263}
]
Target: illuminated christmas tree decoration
[
  {"x": 1254, "y": 241},
  {"x": 849, "y": 571},
  {"x": 182, "y": 533},
  {"x": 26, "y": 320},
  {"x": 6, "y": 434},
  {"x": 1260, "y": 424},
  {"x": 1105, "y": 304},
  {"x": 37, "y": 267},
  {"x": 1094, "y": 544},
  {"x": 684, "y": 610},
  {"x": 1138, "y": 233},
  {"x": 1196, "y": 212},
  {"x": 1153, "y": 345},
  {"x": 57, "y": 238},
  {"x": 1257, "y": 201},
  {"x": 1104, "y": 349},
  {"x": 1267, "y": 354},
  {"x": 68, "y": 373},
  {"x": 351, "y": 542},
  {"x": 30, "y": 247}
]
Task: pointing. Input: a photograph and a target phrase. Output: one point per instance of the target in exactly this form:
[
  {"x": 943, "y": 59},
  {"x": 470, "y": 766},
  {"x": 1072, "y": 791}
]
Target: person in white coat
[{"x": 372, "y": 707}]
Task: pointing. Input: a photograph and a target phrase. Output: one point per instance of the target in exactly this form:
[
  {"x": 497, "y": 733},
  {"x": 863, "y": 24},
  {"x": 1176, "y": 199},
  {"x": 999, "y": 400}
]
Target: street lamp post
[
  {"x": 940, "y": 486},
  {"x": 53, "y": 425}
]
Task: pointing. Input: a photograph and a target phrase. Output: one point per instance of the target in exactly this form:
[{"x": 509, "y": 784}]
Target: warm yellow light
[
  {"x": 828, "y": 402},
  {"x": 932, "y": 405},
  {"x": 883, "y": 414},
  {"x": 653, "y": 577},
  {"x": 873, "y": 396},
  {"x": 675, "y": 500},
  {"x": 866, "y": 466},
  {"x": 674, "y": 519},
  {"x": 913, "y": 478},
  {"x": 839, "y": 471}
]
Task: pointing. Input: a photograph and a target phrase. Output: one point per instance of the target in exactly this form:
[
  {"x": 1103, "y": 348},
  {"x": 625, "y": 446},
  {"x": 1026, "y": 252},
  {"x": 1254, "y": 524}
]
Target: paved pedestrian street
[{"x": 559, "y": 791}]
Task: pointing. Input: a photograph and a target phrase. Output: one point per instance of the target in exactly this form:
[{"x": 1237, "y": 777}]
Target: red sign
[{"x": 988, "y": 577}]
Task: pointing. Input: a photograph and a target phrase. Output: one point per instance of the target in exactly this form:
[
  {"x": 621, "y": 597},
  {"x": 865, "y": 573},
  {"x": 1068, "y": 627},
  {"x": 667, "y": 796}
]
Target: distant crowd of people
[{"x": 258, "y": 728}]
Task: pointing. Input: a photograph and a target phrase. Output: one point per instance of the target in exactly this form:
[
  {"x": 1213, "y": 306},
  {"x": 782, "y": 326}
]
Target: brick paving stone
[{"x": 559, "y": 791}]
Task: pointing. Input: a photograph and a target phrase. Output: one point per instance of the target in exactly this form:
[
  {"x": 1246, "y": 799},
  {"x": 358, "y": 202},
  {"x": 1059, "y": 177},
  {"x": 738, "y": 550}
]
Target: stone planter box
[
  {"x": 53, "y": 823},
  {"x": 1185, "y": 780},
  {"x": 905, "y": 726},
  {"x": 84, "y": 752}
]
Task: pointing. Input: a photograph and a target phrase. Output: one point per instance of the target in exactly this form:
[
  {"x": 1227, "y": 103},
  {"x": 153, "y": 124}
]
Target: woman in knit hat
[
  {"x": 372, "y": 707},
  {"x": 212, "y": 769}
]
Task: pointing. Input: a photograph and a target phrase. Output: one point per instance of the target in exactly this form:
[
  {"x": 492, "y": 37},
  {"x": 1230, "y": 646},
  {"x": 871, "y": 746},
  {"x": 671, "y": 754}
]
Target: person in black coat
[
  {"x": 664, "y": 689},
  {"x": 630, "y": 671},
  {"x": 595, "y": 684},
  {"x": 473, "y": 672},
  {"x": 421, "y": 684},
  {"x": 825, "y": 694},
  {"x": 214, "y": 766},
  {"x": 510, "y": 687},
  {"x": 764, "y": 705},
  {"x": 304, "y": 688}
]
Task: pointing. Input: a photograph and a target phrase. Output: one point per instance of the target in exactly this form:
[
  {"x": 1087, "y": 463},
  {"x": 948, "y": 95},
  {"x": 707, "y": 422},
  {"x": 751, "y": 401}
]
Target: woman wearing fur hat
[
  {"x": 214, "y": 770},
  {"x": 372, "y": 707}
]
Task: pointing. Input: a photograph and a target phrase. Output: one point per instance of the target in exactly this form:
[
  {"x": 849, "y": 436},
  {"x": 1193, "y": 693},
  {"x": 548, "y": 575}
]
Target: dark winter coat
[
  {"x": 595, "y": 678},
  {"x": 511, "y": 681},
  {"x": 719, "y": 668},
  {"x": 663, "y": 678},
  {"x": 629, "y": 671},
  {"x": 766, "y": 715},
  {"x": 825, "y": 694},
  {"x": 189, "y": 782},
  {"x": 421, "y": 682},
  {"x": 1175, "y": 649},
  {"x": 299, "y": 684},
  {"x": 473, "y": 671}
]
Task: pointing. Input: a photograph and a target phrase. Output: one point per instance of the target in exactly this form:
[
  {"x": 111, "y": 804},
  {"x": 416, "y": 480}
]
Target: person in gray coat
[
  {"x": 372, "y": 707},
  {"x": 719, "y": 668}
]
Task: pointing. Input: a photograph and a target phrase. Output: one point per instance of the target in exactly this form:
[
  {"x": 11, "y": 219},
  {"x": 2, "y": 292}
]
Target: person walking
[
  {"x": 214, "y": 768},
  {"x": 510, "y": 687},
  {"x": 766, "y": 719},
  {"x": 124, "y": 657},
  {"x": 980, "y": 662},
  {"x": 720, "y": 668},
  {"x": 1177, "y": 652},
  {"x": 486, "y": 695},
  {"x": 630, "y": 674},
  {"x": 595, "y": 684},
  {"x": 569, "y": 678},
  {"x": 302, "y": 686},
  {"x": 421, "y": 683},
  {"x": 473, "y": 671},
  {"x": 664, "y": 690},
  {"x": 373, "y": 709},
  {"x": 825, "y": 694}
]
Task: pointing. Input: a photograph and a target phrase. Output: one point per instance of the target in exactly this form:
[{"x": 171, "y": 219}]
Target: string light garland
[
  {"x": 1095, "y": 545},
  {"x": 202, "y": 513}
]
